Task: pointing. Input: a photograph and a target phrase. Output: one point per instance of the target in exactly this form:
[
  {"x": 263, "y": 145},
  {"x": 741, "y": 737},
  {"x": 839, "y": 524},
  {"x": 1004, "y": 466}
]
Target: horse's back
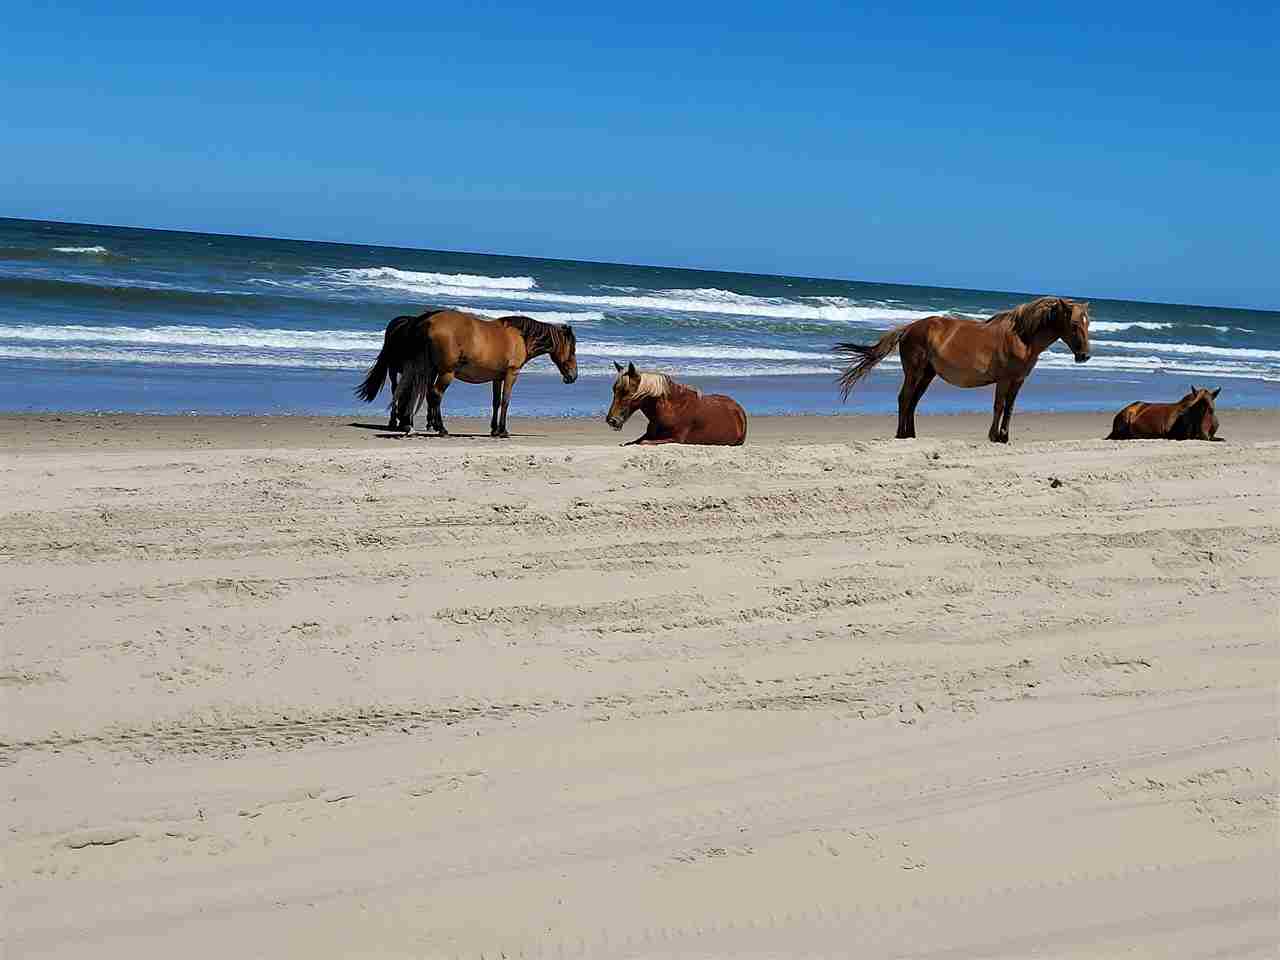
[
  {"x": 722, "y": 420},
  {"x": 1142, "y": 421}
]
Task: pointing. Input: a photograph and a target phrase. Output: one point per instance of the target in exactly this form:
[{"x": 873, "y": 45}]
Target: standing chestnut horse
[
  {"x": 676, "y": 413},
  {"x": 449, "y": 344},
  {"x": 1191, "y": 418},
  {"x": 970, "y": 353}
]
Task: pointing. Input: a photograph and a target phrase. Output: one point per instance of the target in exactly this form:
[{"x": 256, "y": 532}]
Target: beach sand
[{"x": 287, "y": 686}]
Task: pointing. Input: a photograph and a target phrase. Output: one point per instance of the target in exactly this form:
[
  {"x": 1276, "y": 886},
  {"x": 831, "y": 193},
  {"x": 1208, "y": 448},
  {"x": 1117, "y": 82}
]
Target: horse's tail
[
  {"x": 415, "y": 380},
  {"x": 372, "y": 383},
  {"x": 865, "y": 357}
]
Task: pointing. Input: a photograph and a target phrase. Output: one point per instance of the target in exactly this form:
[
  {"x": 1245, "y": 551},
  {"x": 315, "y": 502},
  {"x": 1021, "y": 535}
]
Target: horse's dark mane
[
  {"x": 1029, "y": 318},
  {"x": 542, "y": 337}
]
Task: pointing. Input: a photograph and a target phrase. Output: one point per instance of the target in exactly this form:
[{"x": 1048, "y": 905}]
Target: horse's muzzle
[
  {"x": 569, "y": 379},
  {"x": 1082, "y": 358},
  {"x": 615, "y": 422}
]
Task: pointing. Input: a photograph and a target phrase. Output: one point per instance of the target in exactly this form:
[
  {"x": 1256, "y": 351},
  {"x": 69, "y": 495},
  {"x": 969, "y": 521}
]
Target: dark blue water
[{"x": 108, "y": 318}]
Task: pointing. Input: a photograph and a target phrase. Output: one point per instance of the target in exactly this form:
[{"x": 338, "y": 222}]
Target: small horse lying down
[
  {"x": 1191, "y": 418},
  {"x": 677, "y": 414}
]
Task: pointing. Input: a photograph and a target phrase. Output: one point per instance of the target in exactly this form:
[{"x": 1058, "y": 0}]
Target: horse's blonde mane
[{"x": 657, "y": 385}]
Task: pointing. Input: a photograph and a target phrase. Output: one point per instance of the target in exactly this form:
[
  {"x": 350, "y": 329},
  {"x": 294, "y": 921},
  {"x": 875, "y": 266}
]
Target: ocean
[{"x": 96, "y": 318}]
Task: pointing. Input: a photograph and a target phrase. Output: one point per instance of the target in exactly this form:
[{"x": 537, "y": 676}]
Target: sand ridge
[{"x": 824, "y": 694}]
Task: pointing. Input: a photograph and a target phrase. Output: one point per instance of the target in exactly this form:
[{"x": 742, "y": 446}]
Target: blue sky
[{"x": 1105, "y": 150}]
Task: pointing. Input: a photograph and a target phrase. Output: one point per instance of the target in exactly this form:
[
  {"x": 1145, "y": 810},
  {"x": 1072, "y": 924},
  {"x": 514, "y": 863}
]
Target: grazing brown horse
[
  {"x": 396, "y": 345},
  {"x": 970, "y": 353},
  {"x": 1191, "y": 418},
  {"x": 450, "y": 344},
  {"x": 676, "y": 413}
]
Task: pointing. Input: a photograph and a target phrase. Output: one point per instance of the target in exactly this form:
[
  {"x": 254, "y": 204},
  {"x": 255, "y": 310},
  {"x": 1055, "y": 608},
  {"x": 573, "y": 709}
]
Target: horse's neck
[
  {"x": 653, "y": 407},
  {"x": 1039, "y": 340},
  {"x": 535, "y": 350},
  {"x": 1193, "y": 414},
  {"x": 659, "y": 407}
]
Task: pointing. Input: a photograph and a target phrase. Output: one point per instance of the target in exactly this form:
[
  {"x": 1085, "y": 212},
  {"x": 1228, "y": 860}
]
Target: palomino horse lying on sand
[
  {"x": 677, "y": 414},
  {"x": 969, "y": 353},
  {"x": 1191, "y": 418},
  {"x": 449, "y": 344},
  {"x": 396, "y": 344}
]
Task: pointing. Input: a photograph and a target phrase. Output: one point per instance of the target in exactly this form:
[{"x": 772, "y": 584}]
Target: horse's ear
[
  {"x": 617, "y": 366},
  {"x": 631, "y": 369},
  {"x": 1214, "y": 393}
]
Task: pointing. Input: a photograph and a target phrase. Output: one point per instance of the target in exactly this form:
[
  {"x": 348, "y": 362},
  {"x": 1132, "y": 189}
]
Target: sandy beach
[{"x": 290, "y": 686}]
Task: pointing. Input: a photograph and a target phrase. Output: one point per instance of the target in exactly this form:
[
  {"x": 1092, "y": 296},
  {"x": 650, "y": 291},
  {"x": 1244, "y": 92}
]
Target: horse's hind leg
[
  {"x": 917, "y": 374},
  {"x": 395, "y": 413},
  {"x": 922, "y": 381}
]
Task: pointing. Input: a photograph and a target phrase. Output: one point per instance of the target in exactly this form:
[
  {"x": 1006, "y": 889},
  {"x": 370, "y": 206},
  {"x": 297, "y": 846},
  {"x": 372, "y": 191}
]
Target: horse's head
[
  {"x": 626, "y": 395},
  {"x": 564, "y": 353},
  {"x": 1073, "y": 326},
  {"x": 1199, "y": 397},
  {"x": 1196, "y": 416}
]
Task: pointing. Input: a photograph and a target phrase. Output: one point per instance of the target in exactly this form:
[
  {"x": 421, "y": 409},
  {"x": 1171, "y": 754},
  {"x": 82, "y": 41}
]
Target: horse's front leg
[
  {"x": 1010, "y": 397},
  {"x": 497, "y": 403},
  {"x": 437, "y": 401},
  {"x": 650, "y": 435},
  {"x": 508, "y": 382},
  {"x": 997, "y": 413}
]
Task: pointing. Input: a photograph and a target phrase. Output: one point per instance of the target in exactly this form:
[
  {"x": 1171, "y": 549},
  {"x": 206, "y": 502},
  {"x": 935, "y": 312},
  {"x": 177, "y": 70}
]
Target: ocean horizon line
[{"x": 587, "y": 261}]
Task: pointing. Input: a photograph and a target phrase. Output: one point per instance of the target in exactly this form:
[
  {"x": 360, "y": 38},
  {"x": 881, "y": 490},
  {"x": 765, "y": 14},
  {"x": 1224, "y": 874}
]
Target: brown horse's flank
[
  {"x": 1191, "y": 418},
  {"x": 449, "y": 344},
  {"x": 677, "y": 413},
  {"x": 967, "y": 353}
]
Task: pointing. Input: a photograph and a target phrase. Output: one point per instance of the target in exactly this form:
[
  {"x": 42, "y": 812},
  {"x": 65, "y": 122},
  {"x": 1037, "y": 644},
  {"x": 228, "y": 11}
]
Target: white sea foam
[
  {"x": 590, "y": 365},
  {"x": 94, "y": 250},
  {"x": 190, "y": 357},
  {"x": 197, "y": 336},
  {"x": 1058, "y": 360},
  {"x": 392, "y": 278},
  {"x": 1190, "y": 349},
  {"x": 201, "y": 336},
  {"x": 700, "y": 300},
  {"x": 704, "y": 351},
  {"x": 1114, "y": 326},
  {"x": 204, "y": 357}
]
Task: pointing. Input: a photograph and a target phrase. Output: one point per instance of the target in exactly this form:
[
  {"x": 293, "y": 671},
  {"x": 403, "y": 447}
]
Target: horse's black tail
[
  {"x": 866, "y": 356},
  {"x": 372, "y": 383},
  {"x": 415, "y": 379}
]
